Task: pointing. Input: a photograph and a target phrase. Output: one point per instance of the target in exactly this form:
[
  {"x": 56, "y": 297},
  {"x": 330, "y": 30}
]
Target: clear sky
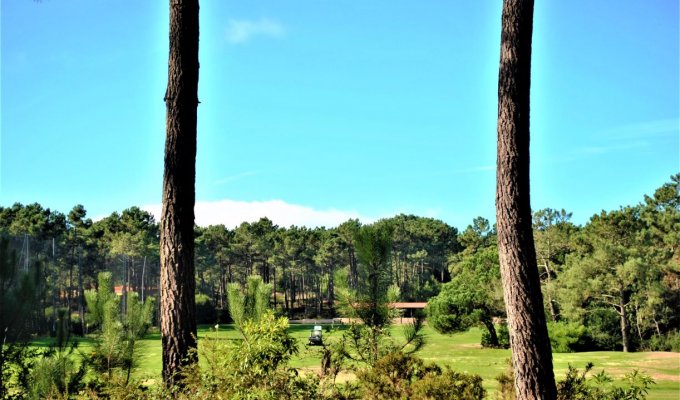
[{"x": 316, "y": 111}]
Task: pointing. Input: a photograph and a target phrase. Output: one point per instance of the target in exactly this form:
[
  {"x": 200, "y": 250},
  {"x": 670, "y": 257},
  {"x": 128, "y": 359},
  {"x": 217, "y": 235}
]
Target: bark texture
[
  {"x": 531, "y": 354},
  {"x": 178, "y": 320}
]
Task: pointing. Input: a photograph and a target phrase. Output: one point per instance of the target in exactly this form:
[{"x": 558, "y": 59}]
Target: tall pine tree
[
  {"x": 178, "y": 319},
  {"x": 532, "y": 358}
]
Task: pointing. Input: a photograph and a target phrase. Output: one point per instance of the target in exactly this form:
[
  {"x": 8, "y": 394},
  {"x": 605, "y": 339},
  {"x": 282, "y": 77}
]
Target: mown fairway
[{"x": 463, "y": 353}]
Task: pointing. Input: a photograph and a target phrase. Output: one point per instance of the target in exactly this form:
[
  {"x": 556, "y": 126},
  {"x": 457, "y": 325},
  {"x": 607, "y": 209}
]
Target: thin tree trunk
[
  {"x": 143, "y": 271},
  {"x": 69, "y": 293},
  {"x": 178, "y": 319},
  {"x": 656, "y": 325},
  {"x": 291, "y": 283},
  {"x": 638, "y": 319},
  {"x": 531, "y": 354},
  {"x": 81, "y": 296},
  {"x": 331, "y": 288},
  {"x": 493, "y": 336},
  {"x": 319, "y": 296},
  {"x": 548, "y": 271},
  {"x": 55, "y": 291},
  {"x": 353, "y": 272},
  {"x": 125, "y": 283},
  {"x": 274, "y": 284},
  {"x": 221, "y": 287},
  {"x": 303, "y": 294},
  {"x": 625, "y": 331}
]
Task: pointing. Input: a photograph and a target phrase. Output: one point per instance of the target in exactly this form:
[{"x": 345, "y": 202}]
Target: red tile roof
[{"x": 415, "y": 305}]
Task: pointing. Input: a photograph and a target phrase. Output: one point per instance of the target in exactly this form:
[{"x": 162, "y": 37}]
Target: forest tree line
[{"x": 613, "y": 283}]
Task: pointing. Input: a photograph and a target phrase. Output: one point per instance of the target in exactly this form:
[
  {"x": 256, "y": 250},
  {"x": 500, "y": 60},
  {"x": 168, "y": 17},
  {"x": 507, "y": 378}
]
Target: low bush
[
  {"x": 206, "y": 313},
  {"x": 603, "y": 330},
  {"x": 255, "y": 367},
  {"x": 567, "y": 337},
  {"x": 503, "y": 335},
  {"x": 578, "y": 385},
  {"x": 667, "y": 342},
  {"x": 401, "y": 376},
  {"x": 18, "y": 362}
]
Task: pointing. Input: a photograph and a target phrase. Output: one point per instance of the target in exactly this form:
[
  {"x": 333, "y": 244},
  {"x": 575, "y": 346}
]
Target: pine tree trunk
[
  {"x": 143, "y": 272},
  {"x": 178, "y": 321},
  {"x": 353, "y": 272},
  {"x": 493, "y": 335},
  {"x": 274, "y": 284},
  {"x": 319, "y": 297},
  {"x": 81, "y": 297},
  {"x": 625, "y": 330},
  {"x": 331, "y": 289},
  {"x": 532, "y": 358}
]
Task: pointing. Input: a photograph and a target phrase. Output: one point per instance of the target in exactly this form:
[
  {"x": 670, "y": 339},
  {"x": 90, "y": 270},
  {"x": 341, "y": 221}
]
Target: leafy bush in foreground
[
  {"x": 255, "y": 367},
  {"x": 577, "y": 385},
  {"x": 403, "y": 376}
]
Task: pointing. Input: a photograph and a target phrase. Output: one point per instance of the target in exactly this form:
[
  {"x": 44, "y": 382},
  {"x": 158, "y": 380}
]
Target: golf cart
[{"x": 315, "y": 338}]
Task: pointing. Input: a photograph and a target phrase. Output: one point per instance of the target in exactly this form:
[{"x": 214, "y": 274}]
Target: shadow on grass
[{"x": 49, "y": 341}]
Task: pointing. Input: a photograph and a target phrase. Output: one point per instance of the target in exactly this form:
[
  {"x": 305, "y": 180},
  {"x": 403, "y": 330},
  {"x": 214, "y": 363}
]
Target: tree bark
[
  {"x": 178, "y": 321},
  {"x": 331, "y": 288},
  {"x": 531, "y": 354},
  {"x": 274, "y": 284},
  {"x": 143, "y": 271},
  {"x": 126, "y": 282},
  {"x": 81, "y": 297},
  {"x": 493, "y": 336},
  {"x": 623, "y": 315},
  {"x": 353, "y": 271}
]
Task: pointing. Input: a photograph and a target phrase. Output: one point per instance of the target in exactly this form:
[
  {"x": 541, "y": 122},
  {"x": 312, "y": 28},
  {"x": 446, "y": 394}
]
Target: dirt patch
[
  {"x": 665, "y": 377},
  {"x": 663, "y": 354},
  {"x": 470, "y": 346},
  {"x": 342, "y": 377},
  {"x": 652, "y": 364}
]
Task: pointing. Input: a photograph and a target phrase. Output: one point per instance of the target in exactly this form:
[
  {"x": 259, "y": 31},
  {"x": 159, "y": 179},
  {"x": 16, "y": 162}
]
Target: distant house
[
  {"x": 407, "y": 309},
  {"x": 409, "y": 306},
  {"x": 149, "y": 290}
]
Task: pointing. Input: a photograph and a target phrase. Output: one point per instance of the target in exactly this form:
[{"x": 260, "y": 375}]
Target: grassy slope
[{"x": 463, "y": 353}]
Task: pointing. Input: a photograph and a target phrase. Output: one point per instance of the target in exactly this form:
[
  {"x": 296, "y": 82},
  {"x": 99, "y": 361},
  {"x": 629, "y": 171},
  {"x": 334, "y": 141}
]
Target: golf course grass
[{"x": 461, "y": 352}]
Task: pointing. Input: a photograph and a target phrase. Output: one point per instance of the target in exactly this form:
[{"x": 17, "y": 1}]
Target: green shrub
[
  {"x": 668, "y": 342},
  {"x": 18, "y": 361},
  {"x": 57, "y": 374},
  {"x": 506, "y": 383},
  {"x": 503, "y": 335},
  {"x": 205, "y": 310},
  {"x": 603, "y": 329},
  {"x": 449, "y": 385},
  {"x": 399, "y": 375},
  {"x": 254, "y": 368},
  {"x": 567, "y": 337},
  {"x": 577, "y": 385}
]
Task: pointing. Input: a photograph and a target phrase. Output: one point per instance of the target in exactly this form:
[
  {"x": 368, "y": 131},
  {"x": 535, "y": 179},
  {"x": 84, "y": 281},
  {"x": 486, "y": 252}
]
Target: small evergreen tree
[
  {"x": 58, "y": 373},
  {"x": 116, "y": 337},
  {"x": 249, "y": 303},
  {"x": 18, "y": 299}
]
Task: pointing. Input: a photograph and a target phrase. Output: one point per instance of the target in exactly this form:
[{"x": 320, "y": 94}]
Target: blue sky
[{"x": 313, "y": 112}]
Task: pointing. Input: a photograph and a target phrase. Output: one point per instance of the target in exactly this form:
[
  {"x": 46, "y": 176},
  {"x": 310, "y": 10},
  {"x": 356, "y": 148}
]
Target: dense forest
[{"x": 613, "y": 283}]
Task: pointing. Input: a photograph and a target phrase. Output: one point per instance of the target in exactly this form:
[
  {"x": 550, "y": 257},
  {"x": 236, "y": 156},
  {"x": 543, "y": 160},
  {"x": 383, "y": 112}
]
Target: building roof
[{"x": 414, "y": 305}]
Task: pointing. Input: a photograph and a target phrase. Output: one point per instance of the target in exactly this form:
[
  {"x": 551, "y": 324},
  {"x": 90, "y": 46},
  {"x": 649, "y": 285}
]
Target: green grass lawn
[{"x": 461, "y": 352}]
